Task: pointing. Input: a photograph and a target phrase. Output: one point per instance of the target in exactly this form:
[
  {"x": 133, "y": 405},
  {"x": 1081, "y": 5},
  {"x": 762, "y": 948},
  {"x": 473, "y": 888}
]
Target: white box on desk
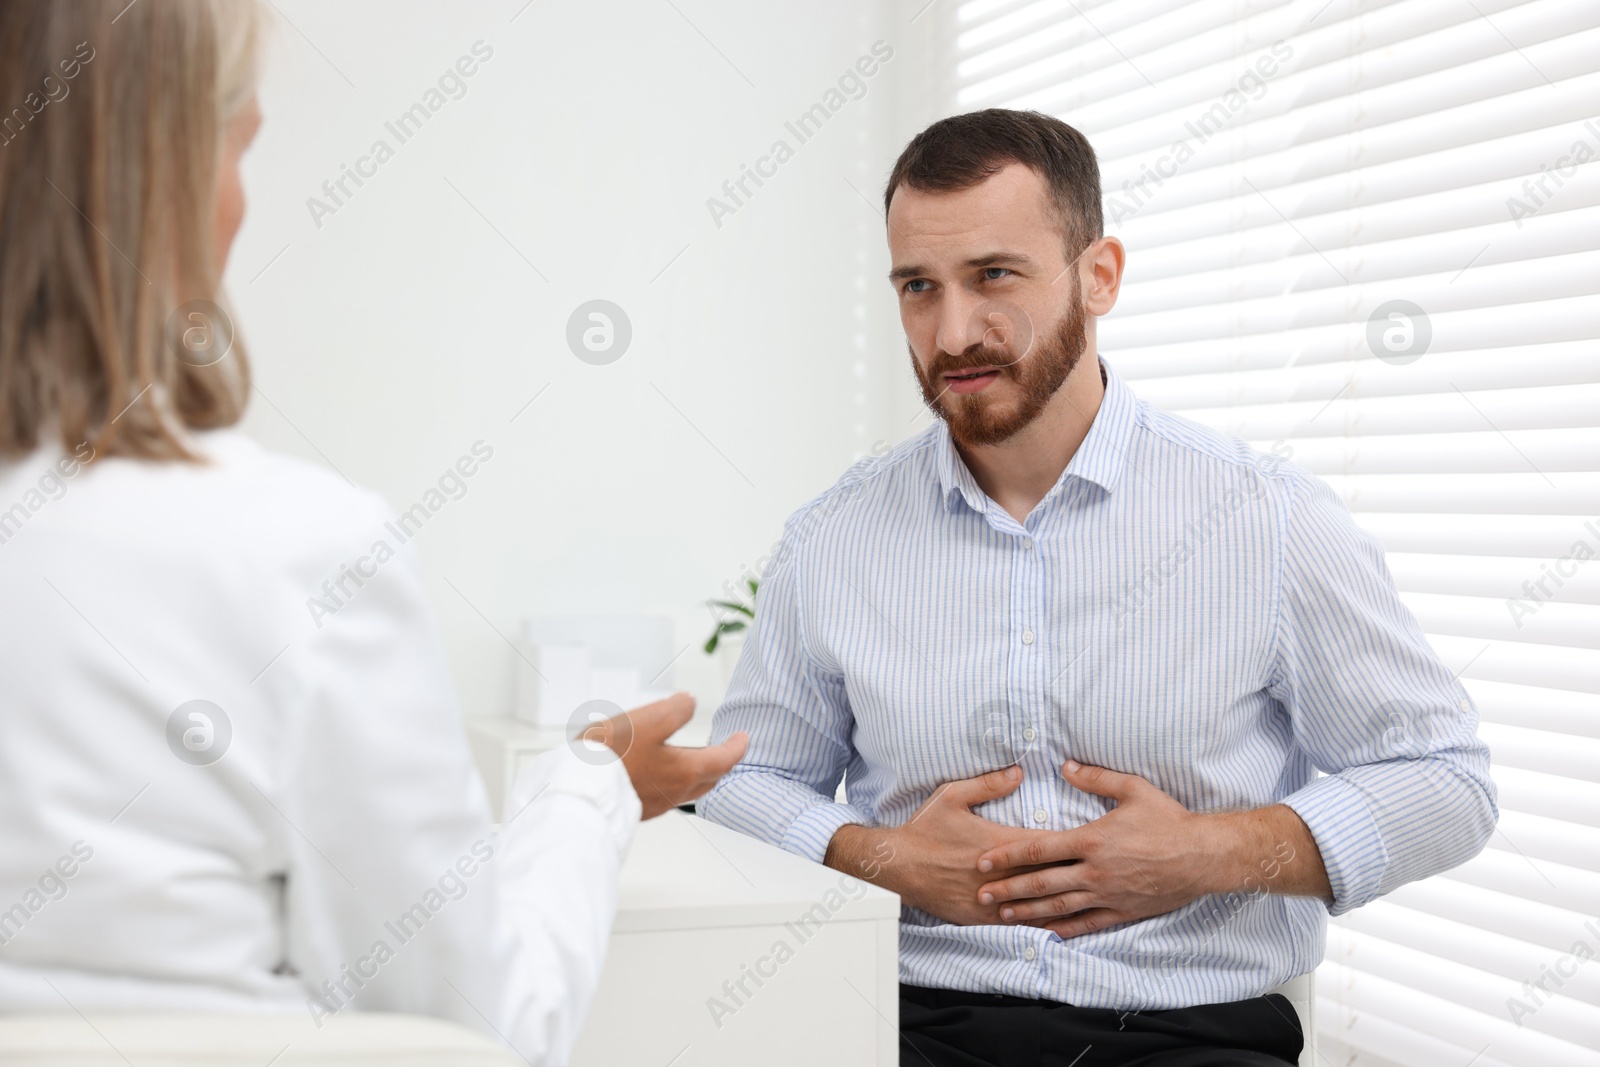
[
  {"x": 552, "y": 681},
  {"x": 701, "y": 906},
  {"x": 565, "y": 661}
]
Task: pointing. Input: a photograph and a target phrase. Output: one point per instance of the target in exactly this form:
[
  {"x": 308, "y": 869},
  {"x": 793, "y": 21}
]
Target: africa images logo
[{"x": 199, "y": 732}]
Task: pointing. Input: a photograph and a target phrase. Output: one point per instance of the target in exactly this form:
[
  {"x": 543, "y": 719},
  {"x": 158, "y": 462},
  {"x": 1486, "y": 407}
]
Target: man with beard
[{"x": 1079, "y": 660}]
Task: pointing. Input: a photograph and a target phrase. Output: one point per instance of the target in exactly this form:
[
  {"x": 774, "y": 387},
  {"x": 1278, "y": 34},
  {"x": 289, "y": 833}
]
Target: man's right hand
[{"x": 932, "y": 859}]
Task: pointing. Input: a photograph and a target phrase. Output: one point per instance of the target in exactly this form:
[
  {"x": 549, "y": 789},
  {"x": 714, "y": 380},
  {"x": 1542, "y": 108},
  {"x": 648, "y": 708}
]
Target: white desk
[{"x": 704, "y": 909}]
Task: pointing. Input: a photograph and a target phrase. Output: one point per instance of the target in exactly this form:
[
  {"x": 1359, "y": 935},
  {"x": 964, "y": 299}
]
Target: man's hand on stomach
[
  {"x": 931, "y": 860},
  {"x": 1147, "y": 856}
]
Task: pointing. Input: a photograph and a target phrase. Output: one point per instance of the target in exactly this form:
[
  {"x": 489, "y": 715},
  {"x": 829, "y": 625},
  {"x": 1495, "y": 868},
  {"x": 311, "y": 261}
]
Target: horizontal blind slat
[
  {"x": 1480, "y": 1035},
  {"x": 1520, "y": 662},
  {"x": 1460, "y": 1034},
  {"x": 1541, "y": 792},
  {"x": 1499, "y": 578},
  {"x": 1511, "y": 372},
  {"x": 1565, "y": 494},
  {"x": 1553, "y": 929},
  {"x": 1341, "y": 331},
  {"x": 1536, "y": 536},
  {"x": 1468, "y": 944},
  {"x": 1563, "y": 1017}
]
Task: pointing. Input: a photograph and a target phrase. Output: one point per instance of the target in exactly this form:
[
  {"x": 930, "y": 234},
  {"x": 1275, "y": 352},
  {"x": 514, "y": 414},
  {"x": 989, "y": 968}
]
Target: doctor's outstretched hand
[{"x": 665, "y": 775}]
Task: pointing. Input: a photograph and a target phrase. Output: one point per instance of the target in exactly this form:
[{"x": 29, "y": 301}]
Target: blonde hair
[{"x": 109, "y": 157}]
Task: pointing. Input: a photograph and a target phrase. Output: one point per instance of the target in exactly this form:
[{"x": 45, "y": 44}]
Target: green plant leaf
[{"x": 732, "y": 626}]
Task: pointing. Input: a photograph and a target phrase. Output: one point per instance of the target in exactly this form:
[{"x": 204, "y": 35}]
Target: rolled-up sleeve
[
  {"x": 799, "y": 722},
  {"x": 1407, "y": 791}
]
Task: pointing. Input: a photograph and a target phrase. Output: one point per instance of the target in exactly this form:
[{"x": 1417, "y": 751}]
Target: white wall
[{"x": 406, "y": 328}]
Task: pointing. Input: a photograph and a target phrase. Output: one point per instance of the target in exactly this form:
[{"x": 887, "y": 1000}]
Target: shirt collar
[{"x": 1100, "y": 459}]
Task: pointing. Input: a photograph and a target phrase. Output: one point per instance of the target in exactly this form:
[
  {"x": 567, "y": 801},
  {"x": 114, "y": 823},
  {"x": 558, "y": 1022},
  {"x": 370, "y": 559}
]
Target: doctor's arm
[{"x": 401, "y": 896}]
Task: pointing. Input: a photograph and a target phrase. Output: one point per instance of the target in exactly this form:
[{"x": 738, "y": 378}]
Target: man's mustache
[{"x": 977, "y": 357}]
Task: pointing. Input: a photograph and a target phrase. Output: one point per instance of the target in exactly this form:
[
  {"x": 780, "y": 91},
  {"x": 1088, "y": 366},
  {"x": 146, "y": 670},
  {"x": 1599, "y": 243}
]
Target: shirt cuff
[
  {"x": 811, "y": 831},
  {"x": 1349, "y": 838},
  {"x": 577, "y": 771}
]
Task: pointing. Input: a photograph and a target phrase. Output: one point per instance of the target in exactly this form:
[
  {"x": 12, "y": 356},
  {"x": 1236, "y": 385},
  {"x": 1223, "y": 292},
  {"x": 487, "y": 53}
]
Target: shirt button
[
  {"x": 1040, "y": 815},
  {"x": 1029, "y": 953},
  {"x": 1027, "y": 637},
  {"x": 1027, "y": 546}
]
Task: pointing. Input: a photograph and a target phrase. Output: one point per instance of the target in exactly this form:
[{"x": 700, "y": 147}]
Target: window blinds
[{"x": 1367, "y": 235}]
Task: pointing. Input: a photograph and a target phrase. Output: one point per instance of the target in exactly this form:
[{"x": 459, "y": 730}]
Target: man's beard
[{"x": 976, "y": 418}]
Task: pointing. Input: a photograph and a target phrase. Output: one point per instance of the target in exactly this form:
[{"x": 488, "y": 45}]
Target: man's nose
[{"x": 960, "y": 327}]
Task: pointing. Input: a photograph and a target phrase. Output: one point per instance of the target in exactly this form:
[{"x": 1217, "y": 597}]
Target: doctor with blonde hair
[{"x": 212, "y": 801}]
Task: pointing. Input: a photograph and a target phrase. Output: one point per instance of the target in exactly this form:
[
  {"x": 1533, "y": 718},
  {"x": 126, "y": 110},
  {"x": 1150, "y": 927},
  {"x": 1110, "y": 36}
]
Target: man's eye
[
  {"x": 916, "y": 285},
  {"x": 994, "y": 274}
]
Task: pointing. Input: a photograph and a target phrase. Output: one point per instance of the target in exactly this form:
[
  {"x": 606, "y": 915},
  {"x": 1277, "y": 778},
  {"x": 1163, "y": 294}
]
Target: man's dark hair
[{"x": 963, "y": 150}]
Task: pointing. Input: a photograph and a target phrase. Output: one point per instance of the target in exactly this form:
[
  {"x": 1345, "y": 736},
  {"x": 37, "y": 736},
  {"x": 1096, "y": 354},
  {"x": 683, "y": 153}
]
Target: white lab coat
[{"x": 339, "y": 855}]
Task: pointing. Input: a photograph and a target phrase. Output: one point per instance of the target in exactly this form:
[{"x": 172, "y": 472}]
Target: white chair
[
  {"x": 161, "y": 1039},
  {"x": 1302, "y": 993}
]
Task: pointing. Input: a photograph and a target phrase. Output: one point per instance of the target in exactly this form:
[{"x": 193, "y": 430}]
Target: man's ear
[{"x": 1103, "y": 260}]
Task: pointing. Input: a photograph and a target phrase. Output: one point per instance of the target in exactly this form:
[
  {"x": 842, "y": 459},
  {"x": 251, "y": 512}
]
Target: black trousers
[{"x": 945, "y": 1028}]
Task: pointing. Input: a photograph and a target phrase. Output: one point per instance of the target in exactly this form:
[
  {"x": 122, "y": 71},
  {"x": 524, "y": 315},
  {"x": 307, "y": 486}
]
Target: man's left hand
[{"x": 1147, "y": 856}]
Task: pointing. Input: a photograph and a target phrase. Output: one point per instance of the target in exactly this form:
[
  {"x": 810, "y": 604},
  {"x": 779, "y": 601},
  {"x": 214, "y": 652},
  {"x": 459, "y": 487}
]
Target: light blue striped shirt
[{"x": 1179, "y": 607}]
